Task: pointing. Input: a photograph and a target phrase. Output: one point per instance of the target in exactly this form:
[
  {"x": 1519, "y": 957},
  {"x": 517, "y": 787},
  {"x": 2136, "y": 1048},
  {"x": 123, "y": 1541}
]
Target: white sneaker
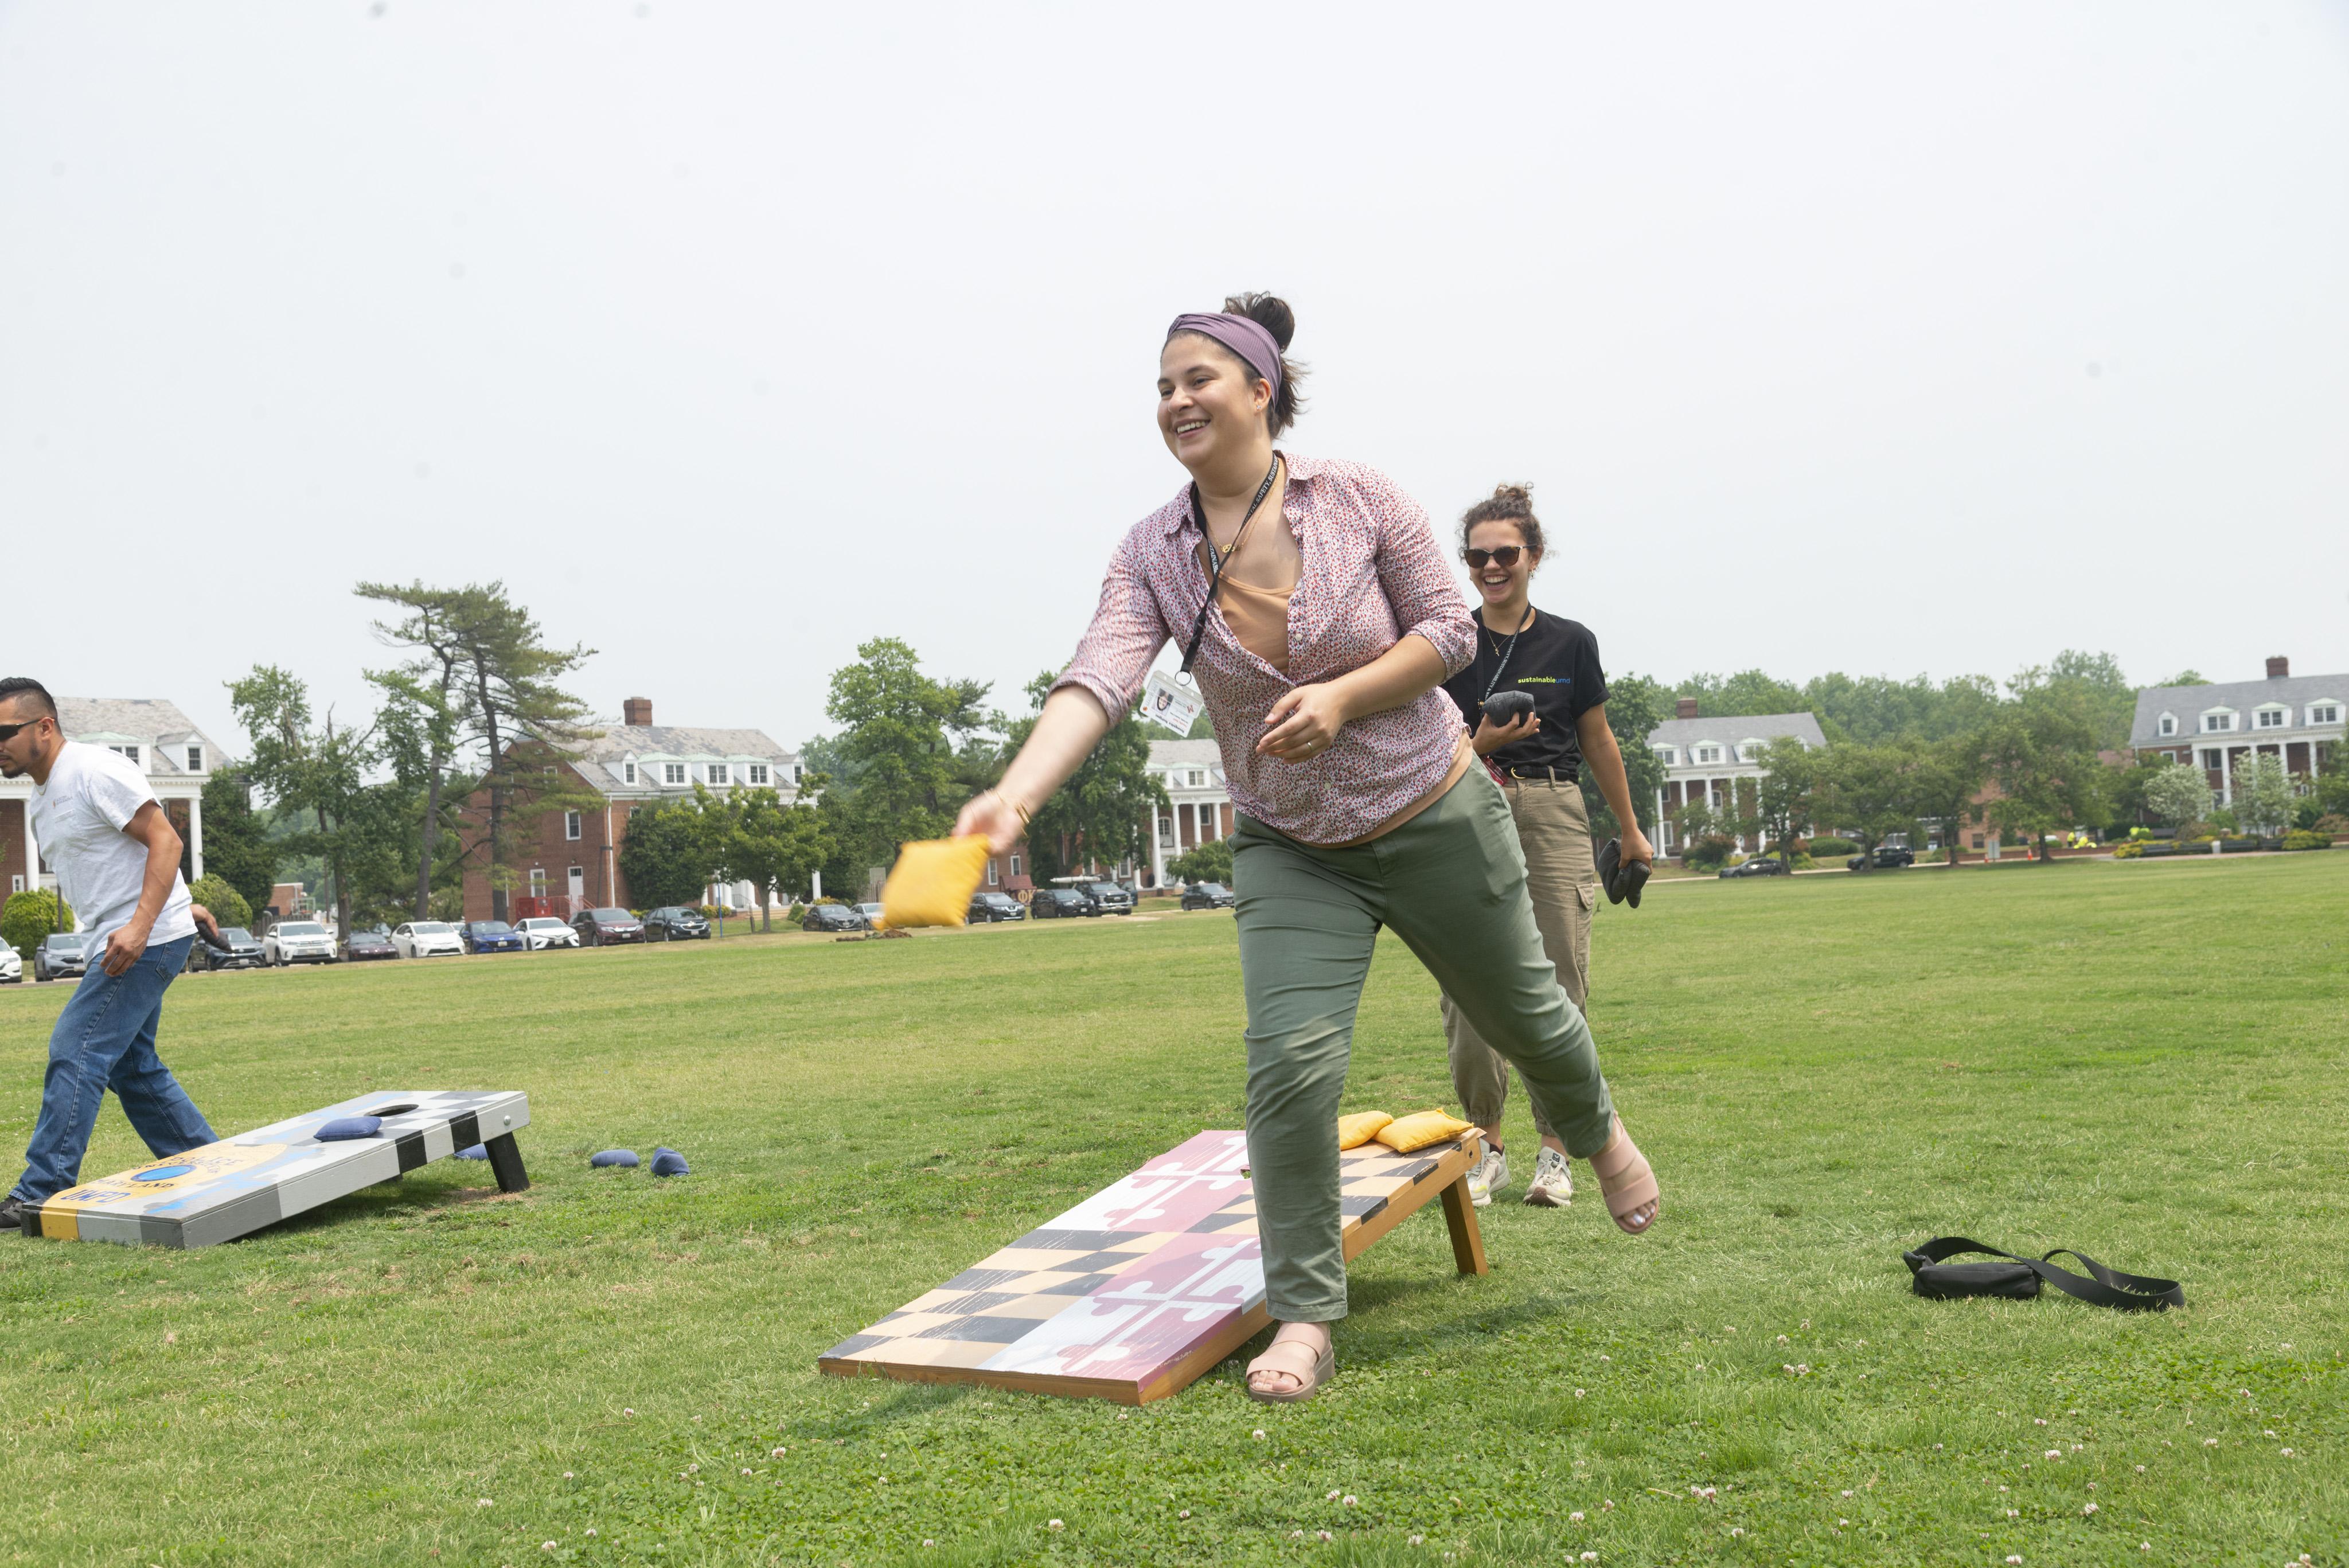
[
  {"x": 1488, "y": 1175},
  {"x": 1553, "y": 1184}
]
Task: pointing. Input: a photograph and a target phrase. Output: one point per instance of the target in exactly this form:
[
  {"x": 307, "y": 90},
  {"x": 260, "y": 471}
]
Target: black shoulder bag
[{"x": 2021, "y": 1277}]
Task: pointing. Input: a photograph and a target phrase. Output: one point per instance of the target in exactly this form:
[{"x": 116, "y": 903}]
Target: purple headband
[{"x": 1242, "y": 335}]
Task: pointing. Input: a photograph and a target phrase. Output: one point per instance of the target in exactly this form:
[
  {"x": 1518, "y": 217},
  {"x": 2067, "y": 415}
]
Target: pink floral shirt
[{"x": 1373, "y": 574}]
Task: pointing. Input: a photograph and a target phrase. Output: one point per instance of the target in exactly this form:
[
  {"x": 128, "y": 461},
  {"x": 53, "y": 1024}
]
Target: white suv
[
  {"x": 427, "y": 939},
  {"x": 298, "y": 942},
  {"x": 543, "y": 932}
]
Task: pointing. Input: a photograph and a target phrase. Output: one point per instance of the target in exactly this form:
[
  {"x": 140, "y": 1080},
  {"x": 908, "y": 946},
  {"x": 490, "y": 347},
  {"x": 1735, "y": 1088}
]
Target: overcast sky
[{"x": 1884, "y": 339}]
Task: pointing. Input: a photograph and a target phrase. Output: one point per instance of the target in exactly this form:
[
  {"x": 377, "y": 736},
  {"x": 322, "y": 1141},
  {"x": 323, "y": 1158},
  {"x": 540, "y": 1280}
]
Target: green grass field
[{"x": 2143, "y": 1061}]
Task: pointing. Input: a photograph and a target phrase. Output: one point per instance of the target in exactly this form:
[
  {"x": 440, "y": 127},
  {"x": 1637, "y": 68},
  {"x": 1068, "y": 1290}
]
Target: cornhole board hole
[
  {"x": 1136, "y": 1292},
  {"x": 236, "y": 1186}
]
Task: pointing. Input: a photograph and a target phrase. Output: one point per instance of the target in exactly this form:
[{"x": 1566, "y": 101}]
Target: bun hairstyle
[
  {"x": 1271, "y": 313},
  {"x": 1507, "y": 504}
]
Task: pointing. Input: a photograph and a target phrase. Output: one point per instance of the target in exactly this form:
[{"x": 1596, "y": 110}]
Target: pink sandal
[
  {"x": 1627, "y": 1182},
  {"x": 1309, "y": 1379}
]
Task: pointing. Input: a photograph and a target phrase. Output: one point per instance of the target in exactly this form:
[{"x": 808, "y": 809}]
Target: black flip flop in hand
[{"x": 1621, "y": 878}]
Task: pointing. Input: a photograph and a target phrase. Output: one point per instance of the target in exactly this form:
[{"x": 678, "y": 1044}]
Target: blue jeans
[{"x": 105, "y": 1039}]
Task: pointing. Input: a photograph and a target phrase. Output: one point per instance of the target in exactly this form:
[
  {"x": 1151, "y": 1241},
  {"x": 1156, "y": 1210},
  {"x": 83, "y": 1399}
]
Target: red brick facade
[{"x": 541, "y": 848}]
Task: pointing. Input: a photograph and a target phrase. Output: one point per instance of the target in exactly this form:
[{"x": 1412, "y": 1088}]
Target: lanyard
[
  {"x": 1506, "y": 653},
  {"x": 1199, "y": 516}
]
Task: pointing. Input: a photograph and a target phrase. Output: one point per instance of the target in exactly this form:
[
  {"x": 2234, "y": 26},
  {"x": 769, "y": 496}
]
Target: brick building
[
  {"x": 177, "y": 758},
  {"x": 2298, "y": 718},
  {"x": 568, "y": 860}
]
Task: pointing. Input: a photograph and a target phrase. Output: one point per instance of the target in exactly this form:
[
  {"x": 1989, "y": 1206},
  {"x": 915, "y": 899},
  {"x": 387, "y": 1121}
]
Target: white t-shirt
[{"x": 77, "y": 819}]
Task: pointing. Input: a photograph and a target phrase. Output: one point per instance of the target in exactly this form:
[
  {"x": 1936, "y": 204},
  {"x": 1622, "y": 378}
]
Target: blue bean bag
[
  {"x": 343, "y": 1127},
  {"x": 669, "y": 1162},
  {"x": 479, "y": 1151},
  {"x": 626, "y": 1158}
]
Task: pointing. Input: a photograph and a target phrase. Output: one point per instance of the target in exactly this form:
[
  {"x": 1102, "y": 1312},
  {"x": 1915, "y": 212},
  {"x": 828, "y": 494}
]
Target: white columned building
[
  {"x": 1715, "y": 760},
  {"x": 2298, "y": 718},
  {"x": 178, "y": 758},
  {"x": 1200, "y": 808}
]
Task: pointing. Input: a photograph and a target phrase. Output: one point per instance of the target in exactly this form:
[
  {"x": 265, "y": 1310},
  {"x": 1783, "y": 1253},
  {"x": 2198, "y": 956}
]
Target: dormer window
[
  {"x": 2218, "y": 723},
  {"x": 758, "y": 772},
  {"x": 1668, "y": 755},
  {"x": 196, "y": 759},
  {"x": 1708, "y": 753},
  {"x": 2270, "y": 718},
  {"x": 627, "y": 773},
  {"x": 2324, "y": 713},
  {"x": 718, "y": 773},
  {"x": 1196, "y": 778},
  {"x": 798, "y": 771},
  {"x": 130, "y": 752},
  {"x": 672, "y": 772},
  {"x": 2169, "y": 724}
]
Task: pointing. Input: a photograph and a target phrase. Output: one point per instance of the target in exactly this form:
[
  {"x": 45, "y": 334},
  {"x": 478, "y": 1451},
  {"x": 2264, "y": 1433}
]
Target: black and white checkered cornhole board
[{"x": 236, "y": 1186}]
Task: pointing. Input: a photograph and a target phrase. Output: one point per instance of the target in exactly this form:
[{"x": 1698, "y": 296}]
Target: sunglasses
[
  {"x": 1506, "y": 557},
  {"x": 8, "y": 732}
]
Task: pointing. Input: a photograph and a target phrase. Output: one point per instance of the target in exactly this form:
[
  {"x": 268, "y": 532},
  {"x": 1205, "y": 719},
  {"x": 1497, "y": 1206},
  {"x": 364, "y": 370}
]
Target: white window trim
[
  {"x": 2270, "y": 716},
  {"x": 1703, "y": 754},
  {"x": 1668, "y": 755},
  {"x": 572, "y": 826},
  {"x": 672, "y": 772},
  {"x": 717, "y": 773},
  {"x": 2168, "y": 725},
  {"x": 2312, "y": 710},
  {"x": 628, "y": 772},
  {"x": 2209, "y": 727},
  {"x": 760, "y": 774},
  {"x": 196, "y": 759}
]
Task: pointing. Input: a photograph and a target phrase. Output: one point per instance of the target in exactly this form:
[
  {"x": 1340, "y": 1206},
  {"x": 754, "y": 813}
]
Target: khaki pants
[
  {"x": 1553, "y": 831},
  {"x": 1451, "y": 883}
]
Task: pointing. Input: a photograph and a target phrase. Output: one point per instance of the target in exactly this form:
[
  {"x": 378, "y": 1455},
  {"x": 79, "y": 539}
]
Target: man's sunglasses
[
  {"x": 8, "y": 732},
  {"x": 1506, "y": 557}
]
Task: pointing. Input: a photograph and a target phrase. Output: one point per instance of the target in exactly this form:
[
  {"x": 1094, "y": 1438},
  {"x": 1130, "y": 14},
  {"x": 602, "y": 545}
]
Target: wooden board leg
[
  {"x": 506, "y": 1164},
  {"x": 1467, "y": 1240}
]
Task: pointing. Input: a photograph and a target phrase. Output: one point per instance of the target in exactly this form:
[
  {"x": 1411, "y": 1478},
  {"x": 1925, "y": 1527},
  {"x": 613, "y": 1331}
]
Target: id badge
[{"x": 1170, "y": 705}]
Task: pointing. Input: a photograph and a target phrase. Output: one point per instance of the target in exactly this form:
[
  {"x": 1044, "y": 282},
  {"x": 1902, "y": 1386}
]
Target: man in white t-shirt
[{"x": 116, "y": 859}]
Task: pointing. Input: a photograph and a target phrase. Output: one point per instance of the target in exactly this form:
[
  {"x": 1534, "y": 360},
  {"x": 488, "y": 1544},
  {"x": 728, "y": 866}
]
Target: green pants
[{"x": 1452, "y": 883}]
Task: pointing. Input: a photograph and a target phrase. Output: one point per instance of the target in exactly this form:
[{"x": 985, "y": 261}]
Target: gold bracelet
[{"x": 1020, "y": 810}]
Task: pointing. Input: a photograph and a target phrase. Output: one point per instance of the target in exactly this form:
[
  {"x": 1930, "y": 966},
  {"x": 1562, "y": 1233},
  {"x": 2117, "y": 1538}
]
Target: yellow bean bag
[
  {"x": 1361, "y": 1128},
  {"x": 1419, "y": 1131},
  {"x": 932, "y": 882}
]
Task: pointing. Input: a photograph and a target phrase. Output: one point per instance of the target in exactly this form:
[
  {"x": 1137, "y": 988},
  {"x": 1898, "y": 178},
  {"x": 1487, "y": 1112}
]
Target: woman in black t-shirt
[{"x": 1539, "y": 760}]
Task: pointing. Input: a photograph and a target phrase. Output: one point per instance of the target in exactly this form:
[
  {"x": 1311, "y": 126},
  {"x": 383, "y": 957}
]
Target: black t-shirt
[{"x": 1556, "y": 661}]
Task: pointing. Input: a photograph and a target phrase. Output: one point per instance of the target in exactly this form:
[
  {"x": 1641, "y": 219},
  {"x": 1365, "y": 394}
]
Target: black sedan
[
  {"x": 987, "y": 909},
  {"x": 606, "y": 928},
  {"x": 1887, "y": 860},
  {"x": 1208, "y": 895},
  {"x": 375, "y": 942},
  {"x": 492, "y": 937},
  {"x": 1760, "y": 865},
  {"x": 1060, "y": 904},
  {"x": 243, "y": 951},
  {"x": 676, "y": 923},
  {"x": 837, "y": 919}
]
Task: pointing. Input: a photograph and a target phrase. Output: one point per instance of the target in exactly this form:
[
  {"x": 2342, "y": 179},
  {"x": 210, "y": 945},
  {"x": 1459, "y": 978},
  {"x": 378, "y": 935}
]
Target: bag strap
[
  {"x": 2110, "y": 1287},
  {"x": 2107, "y": 1288}
]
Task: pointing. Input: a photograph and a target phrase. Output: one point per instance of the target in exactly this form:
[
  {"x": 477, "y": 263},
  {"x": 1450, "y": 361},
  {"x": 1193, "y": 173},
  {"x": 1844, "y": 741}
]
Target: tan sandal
[
  {"x": 1309, "y": 1380},
  {"x": 1627, "y": 1182}
]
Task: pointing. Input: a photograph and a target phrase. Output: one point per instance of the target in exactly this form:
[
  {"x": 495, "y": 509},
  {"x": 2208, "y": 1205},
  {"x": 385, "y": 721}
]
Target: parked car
[
  {"x": 492, "y": 937},
  {"x": 428, "y": 939},
  {"x": 1760, "y": 865},
  {"x": 540, "y": 933},
  {"x": 987, "y": 908},
  {"x": 1110, "y": 898},
  {"x": 375, "y": 942},
  {"x": 1059, "y": 903},
  {"x": 12, "y": 968},
  {"x": 245, "y": 951},
  {"x": 872, "y": 913},
  {"x": 608, "y": 927},
  {"x": 676, "y": 923},
  {"x": 298, "y": 942},
  {"x": 835, "y": 918},
  {"x": 61, "y": 953},
  {"x": 1887, "y": 858},
  {"x": 1208, "y": 895}
]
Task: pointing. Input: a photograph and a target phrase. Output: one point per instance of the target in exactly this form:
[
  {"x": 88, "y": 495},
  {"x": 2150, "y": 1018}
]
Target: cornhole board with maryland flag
[
  {"x": 1136, "y": 1292},
  {"x": 236, "y": 1186}
]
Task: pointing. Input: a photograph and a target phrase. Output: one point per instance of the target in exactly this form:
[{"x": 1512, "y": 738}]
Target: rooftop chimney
[
  {"x": 636, "y": 712},
  {"x": 1686, "y": 709},
  {"x": 2278, "y": 668}
]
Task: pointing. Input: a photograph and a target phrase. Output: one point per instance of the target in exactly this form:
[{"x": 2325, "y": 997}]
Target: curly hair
[{"x": 1507, "y": 504}]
